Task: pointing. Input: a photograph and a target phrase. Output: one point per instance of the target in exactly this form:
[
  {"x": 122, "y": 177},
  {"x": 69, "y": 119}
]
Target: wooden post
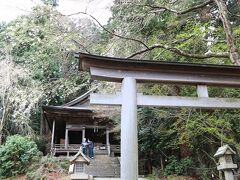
[
  {"x": 129, "y": 140},
  {"x": 107, "y": 137},
  {"x": 83, "y": 133},
  {"x": 66, "y": 138},
  {"x": 53, "y": 133},
  {"x": 107, "y": 142}
]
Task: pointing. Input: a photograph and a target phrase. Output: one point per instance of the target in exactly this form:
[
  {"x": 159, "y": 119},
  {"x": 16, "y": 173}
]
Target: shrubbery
[
  {"x": 16, "y": 155},
  {"x": 177, "y": 167},
  {"x": 48, "y": 166}
]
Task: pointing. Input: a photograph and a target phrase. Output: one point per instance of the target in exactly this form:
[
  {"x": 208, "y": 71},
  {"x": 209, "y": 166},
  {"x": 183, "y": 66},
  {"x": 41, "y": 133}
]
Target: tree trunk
[
  {"x": 2, "y": 123},
  {"x": 149, "y": 162},
  {"x": 1, "y": 135},
  {"x": 149, "y": 166},
  {"x": 4, "y": 99},
  {"x": 161, "y": 163},
  {"x": 234, "y": 57}
]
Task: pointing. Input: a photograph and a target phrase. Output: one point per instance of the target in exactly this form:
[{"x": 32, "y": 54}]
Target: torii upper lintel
[{"x": 115, "y": 69}]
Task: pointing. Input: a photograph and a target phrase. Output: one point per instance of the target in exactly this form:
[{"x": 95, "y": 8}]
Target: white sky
[{"x": 100, "y": 9}]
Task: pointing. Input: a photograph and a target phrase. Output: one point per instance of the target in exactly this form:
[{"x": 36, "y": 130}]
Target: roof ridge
[{"x": 80, "y": 98}]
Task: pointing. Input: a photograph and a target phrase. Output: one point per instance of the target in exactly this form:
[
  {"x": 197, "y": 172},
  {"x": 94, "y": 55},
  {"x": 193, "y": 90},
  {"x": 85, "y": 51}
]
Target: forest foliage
[{"x": 37, "y": 67}]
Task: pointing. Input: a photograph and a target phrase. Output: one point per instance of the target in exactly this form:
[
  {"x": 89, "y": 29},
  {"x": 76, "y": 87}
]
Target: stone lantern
[{"x": 225, "y": 163}]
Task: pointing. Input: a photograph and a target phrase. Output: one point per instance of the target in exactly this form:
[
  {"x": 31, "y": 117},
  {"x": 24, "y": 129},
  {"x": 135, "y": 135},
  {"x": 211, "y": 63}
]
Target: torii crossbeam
[{"x": 129, "y": 72}]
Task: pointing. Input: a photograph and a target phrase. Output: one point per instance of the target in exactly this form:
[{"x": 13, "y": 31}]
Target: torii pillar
[
  {"x": 129, "y": 139},
  {"x": 129, "y": 72}
]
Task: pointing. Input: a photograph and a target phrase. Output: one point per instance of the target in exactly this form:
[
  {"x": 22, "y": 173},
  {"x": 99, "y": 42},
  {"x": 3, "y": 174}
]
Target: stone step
[
  {"x": 103, "y": 172},
  {"x": 103, "y": 166},
  {"x": 104, "y": 169},
  {"x": 111, "y": 161},
  {"x": 99, "y": 152}
]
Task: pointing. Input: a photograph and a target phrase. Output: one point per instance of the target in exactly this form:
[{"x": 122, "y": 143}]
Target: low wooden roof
[
  {"x": 79, "y": 107},
  {"x": 65, "y": 110},
  {"x": 76, "y": 111}
]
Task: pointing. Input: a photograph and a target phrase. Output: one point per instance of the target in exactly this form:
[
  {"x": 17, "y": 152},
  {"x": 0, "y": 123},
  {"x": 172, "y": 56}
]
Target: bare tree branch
[
  {"x": 182, "y": 53},
  {"x": 108, "y": 31},
  {"x": 166, "y": 47},
  {"x": 182, "y": 40},
  {"x": 181, "y": 12},
  {"x": 81, "y": 46},
  {"x": 212, "y": 158}
]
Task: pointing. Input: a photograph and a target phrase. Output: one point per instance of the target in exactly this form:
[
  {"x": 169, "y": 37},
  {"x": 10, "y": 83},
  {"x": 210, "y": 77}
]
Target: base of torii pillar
[{"x": 129, "y": 139}]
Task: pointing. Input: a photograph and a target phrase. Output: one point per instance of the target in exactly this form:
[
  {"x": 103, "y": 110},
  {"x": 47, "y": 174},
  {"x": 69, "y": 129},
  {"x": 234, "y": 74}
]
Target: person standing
[
  {"x": 90, "y": 147},
  {"x": 84, "y": 146}
]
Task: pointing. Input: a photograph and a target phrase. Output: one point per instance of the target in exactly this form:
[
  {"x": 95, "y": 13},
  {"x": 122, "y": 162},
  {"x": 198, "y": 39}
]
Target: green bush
[
  {"x": 41, "y": 143},
  {"x": 16, "y": 155},
  {"x": 177, "y": 167},
  {"x": 46, "y": 165}
]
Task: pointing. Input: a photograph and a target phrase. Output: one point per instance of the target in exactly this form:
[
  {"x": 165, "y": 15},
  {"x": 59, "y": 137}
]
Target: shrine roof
[
  {"x": 80, "y": 104},
  {"x": 65, "y": 108},
  {"x": 77, "y": 110}
]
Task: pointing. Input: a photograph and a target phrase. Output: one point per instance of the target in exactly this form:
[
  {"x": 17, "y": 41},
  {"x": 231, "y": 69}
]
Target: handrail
[
  {"x": 115, "y": 146},
  {"x": 70, "y": 146},
  {"x": 79, "y": 145},
  {"x": 76, "y": 147}
]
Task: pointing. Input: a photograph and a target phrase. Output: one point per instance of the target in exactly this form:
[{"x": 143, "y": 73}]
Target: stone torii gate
[{"x": 129, "y": 72}]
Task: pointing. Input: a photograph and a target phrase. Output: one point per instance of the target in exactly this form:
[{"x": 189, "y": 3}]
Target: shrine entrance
[
  {"x": 130, "y": 72},
  {"x": 95, "y": 135}
]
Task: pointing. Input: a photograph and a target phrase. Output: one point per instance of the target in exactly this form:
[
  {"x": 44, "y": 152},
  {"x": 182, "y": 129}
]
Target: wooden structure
[
  {"x": 226, "y": 164},
  {"x": 130, "y": 72},
  {"x": 70, "y": 123}
]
